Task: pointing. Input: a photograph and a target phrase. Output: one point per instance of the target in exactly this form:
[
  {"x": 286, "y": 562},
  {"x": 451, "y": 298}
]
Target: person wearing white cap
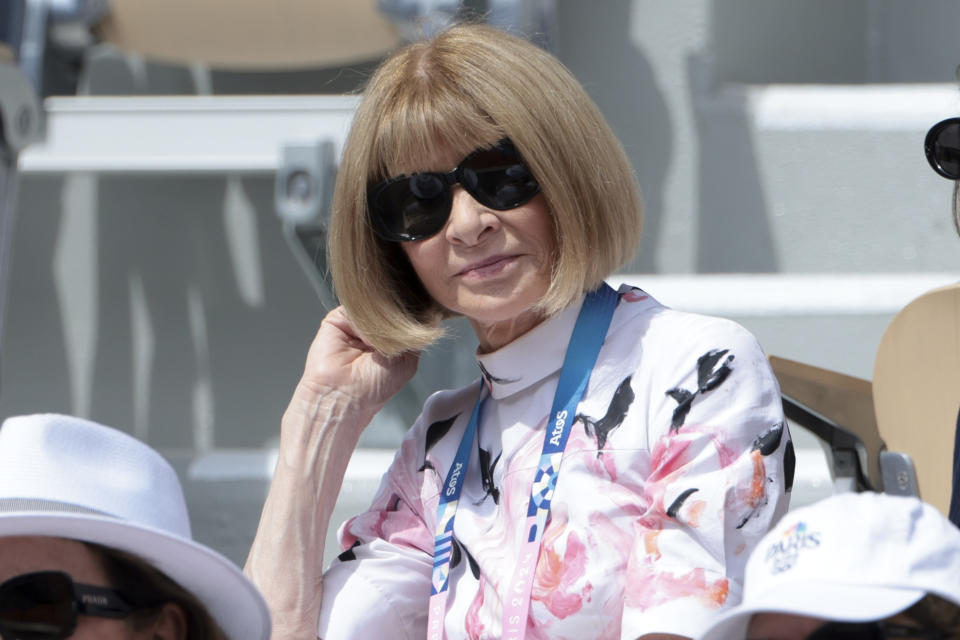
[
  {"x": 853, "y": 566},
  {"x": 95, "y": 543}
]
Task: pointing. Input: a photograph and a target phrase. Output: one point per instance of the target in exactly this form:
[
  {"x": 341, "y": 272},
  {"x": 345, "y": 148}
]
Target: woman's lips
[{"x": 486, "y": 267}]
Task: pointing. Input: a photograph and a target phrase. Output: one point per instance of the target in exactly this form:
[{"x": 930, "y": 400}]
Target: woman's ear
[{"x": 170, "y": 623}]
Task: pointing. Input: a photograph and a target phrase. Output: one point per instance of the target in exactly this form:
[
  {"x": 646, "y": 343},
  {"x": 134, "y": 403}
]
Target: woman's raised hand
[
  {"x": 344, "y": 383},
  {"x": 340, "y": 361}
]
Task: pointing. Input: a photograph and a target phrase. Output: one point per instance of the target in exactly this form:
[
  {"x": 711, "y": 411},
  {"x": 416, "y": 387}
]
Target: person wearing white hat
[
  {"x": 853, "y": 566},
  {"x": 95, "y": 543}
]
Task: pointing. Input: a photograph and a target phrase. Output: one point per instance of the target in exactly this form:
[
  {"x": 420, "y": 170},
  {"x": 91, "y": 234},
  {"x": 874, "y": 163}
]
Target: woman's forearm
[{"x": 319, "y": 431}]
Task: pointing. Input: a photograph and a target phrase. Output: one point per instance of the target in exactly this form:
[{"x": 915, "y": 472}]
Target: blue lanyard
[{"x": 582, "y": 351}]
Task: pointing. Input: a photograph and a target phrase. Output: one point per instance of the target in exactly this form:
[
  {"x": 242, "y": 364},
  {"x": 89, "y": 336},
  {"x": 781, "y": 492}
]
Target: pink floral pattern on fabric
[
  {"x": 677, "y": 463},
  {"x": 653, "y": 588},
  {"x": 558, "y": 573}
]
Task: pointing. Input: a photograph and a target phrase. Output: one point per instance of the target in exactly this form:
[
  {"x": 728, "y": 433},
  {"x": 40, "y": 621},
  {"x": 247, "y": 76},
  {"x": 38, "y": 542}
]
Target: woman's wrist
[
  {"x": 317, "y": 413},
  {"x": 319, "y": 432}
]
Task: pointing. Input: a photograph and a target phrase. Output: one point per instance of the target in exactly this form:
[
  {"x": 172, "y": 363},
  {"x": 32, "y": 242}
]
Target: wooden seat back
[
  {"x": 251, "y": 34},
  {"x": 916, "y": 388}
]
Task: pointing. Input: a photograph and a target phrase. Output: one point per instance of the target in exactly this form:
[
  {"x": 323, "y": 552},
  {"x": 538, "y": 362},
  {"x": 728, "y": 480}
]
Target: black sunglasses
[
  {"x": 45, "y": 605},
  {"x": 873, "y": 631},
  {"x": 414, "y": 207},
  {"x": 942, "y": 147}
]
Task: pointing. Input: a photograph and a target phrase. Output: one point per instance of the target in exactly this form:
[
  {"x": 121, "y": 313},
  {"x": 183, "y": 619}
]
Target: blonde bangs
[{"x": 425, "y": 118}]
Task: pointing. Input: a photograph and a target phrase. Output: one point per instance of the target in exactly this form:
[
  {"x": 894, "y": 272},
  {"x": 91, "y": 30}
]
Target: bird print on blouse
[
  {"x": 674, "y": 507},
  {"x": 613, "y": 418},
  {"x": 713, "y": 368},
  {"x": 490, "y": 378},
  {"x": 435, "y": 433},
  {"x": 349, "y": 555},
  {"x": 457, "y": 552},
  {"x": 710, "y": 375},
  {"x": 486, "y": 475},
  {"x": 764, "y": 445}
]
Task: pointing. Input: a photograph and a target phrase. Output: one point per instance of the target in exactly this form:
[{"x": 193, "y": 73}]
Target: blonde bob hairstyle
[{"x": 466, "y": 88}]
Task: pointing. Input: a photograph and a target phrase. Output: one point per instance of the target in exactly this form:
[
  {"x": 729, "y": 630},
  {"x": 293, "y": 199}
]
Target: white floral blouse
[{"x": 679, "y": 460}]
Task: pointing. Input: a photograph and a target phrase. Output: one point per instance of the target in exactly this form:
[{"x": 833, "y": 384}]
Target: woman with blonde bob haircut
[
  {"x": 480, "y": 180},
  {"x": 441, "y": 94}
]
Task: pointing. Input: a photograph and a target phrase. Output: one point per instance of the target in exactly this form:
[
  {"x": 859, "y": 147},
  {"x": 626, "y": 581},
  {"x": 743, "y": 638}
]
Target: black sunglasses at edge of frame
[
  {"x": 44, "y": 605},
  {"x": 414, "y": 207},
  {"x": 942, "y": 148}
]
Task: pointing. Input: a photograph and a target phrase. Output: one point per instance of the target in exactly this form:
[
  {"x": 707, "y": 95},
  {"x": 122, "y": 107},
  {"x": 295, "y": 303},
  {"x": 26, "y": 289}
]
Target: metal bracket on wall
[
  {"x": 303, "y": 190},
  {"x": 20, "y": 114}
]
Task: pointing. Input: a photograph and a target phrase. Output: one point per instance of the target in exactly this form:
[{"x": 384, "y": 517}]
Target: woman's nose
[{"x": 470, "y": 222}]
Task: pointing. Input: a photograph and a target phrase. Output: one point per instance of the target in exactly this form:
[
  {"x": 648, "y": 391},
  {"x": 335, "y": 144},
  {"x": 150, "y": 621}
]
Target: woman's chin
[{"x": 497, "y": 330}]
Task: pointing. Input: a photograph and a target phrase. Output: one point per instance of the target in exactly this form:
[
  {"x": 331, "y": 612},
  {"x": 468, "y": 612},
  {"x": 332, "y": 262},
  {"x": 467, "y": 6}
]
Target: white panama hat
[
  {"x": 71, "y": 478},
  {"x": 852, "y": 557}
]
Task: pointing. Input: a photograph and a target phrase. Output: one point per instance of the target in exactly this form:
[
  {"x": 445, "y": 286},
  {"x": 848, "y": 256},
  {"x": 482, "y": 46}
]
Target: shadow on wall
[
  {"x": 787, "y": 41},
  {"x": 734, "y": 234},
  {"x": 171, "y": 306},
  {"x": 139, "y": 318},
  {"x": 35, "y": 374},
  {"x": 779, "y": 41},
  {"x": 167, "y": 306},
  {"x": 618, "y": 77}
]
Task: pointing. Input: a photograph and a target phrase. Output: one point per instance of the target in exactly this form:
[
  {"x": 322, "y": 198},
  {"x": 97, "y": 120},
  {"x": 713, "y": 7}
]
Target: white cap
[
  {"x": 853, "y": 557},
  {"x": 70, "y": 478}
]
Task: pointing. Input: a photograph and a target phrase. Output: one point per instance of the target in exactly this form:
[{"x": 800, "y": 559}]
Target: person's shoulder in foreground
[
  {"x": 95, "y": 542},
  {"x": 855, "y": 565}
]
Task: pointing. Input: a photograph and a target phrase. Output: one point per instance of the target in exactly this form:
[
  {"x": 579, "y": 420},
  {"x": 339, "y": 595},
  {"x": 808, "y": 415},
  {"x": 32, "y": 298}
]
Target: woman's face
[
  {"x": 20, "y": 555},
  {"x": 490, "y": 266}
]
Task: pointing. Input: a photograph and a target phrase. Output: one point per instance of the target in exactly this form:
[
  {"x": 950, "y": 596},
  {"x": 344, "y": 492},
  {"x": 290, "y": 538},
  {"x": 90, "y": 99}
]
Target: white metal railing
[
  {"x": 789, "y": 294},
  {"x": 244, "y": 133},
  {"x": 224, "y": 134},
  {"x": 875, "y": 107},
  {"x": 182, "y": 134}
]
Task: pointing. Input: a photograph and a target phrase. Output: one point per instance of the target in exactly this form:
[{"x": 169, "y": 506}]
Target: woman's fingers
[{"x": 340, "y": 358}]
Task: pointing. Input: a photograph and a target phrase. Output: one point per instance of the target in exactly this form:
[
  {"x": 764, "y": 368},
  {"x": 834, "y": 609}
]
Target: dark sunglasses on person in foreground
[
  {"x": 45, "y": 605},
  {"x": 873, "y": 631},
  {"x": 942, "y": 147},
  {"x": 416, "y": 206}
]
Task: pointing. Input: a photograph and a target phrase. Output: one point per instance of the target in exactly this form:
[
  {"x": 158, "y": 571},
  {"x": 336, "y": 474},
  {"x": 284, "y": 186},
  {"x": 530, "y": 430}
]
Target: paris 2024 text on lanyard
[{"x": 582, "y": 351}]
